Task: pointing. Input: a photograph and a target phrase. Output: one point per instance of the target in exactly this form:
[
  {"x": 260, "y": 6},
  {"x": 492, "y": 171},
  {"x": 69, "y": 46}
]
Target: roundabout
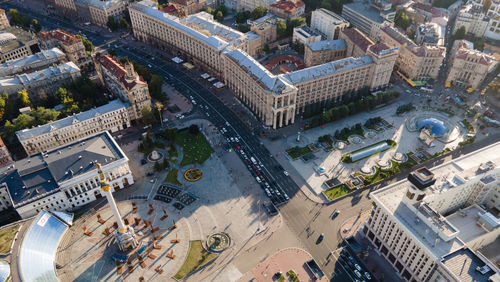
[{"x": 193, "y": 174}]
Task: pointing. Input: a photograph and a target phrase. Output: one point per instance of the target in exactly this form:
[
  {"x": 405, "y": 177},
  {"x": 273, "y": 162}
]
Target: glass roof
[
  {"x": 4, "y": 270},
  {"x": 438, "y": 128}
]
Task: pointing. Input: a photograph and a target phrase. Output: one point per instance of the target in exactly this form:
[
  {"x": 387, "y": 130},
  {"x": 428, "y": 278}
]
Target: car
[
  {"x": 144, "y": 161},
  {"x": 227, "y": 123},
  {"x": 227, "y": 140},
  {"x": 286, "y": 173},
  {"x": 152, "y": 180},
  {"x": 257, "y": 172},
  {"x": 286, "y": 197},
  {"x": 368, "y": 276},
  {"x": 357, "y": 266},
  {"x": 236, "y": 139},
  {"x": 335, "y": 214},
  {"x": 207, "y": 114},
  {"x": 357, "y": 273},
  {"x": 206, "y": 107},
  {"x": 249, "y": 162},
  {"x": 149, "y": 173},
  {"x": 190, "y": 97},
  {"x": 321, "y": 237},
  {"x": 268, "y": 193},
  {"x": 258, "y": 179},
  {"x": 232, "y": 139},
  {"x": 149, "y": 66}
]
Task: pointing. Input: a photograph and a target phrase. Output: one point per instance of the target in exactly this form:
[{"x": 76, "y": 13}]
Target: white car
[{"x": 286, "y": 173}]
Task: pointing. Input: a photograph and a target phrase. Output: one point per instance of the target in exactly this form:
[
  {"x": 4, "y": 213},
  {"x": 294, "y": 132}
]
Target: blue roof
[
  {"x": 327, "y": 69},
  {"x": 338, "y": 44},
  {"x": 38, "y": 250},
  {"x": 58, "y": 124},
  {"x": 438, "y": 127},
  {"x": 41, "y": 175}
]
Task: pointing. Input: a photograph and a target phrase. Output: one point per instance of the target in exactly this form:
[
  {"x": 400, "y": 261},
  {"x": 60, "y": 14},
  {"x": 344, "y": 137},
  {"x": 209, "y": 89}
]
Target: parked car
[
  {"x": 150, "y": 173},
  {"x": 335, "y": 214}
]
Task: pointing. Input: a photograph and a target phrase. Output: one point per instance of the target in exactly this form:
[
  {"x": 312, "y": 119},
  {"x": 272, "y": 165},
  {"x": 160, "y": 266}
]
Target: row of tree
[
  {"x": 218, "y": 13},
  {"x": 115, "y": 24},
  {"x": 285, "y": 29},
  {"x": 23, "y": 21}
]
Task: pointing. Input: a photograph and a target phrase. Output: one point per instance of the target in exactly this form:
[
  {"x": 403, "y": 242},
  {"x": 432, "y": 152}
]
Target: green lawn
[
  {"x": 172, "y": 177},
  {"x": 6, "y": 237},
  {"x": 195, "y": 149},
  {"x": 297, "y": 152},
  {"x": 196, "y": 258},
  {"x": 336, "y": 192}
]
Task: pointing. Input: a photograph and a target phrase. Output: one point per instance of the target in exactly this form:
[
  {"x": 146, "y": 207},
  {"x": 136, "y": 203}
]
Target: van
[
  {"x": 253, "y": 160},
  {"x": 258, "y": 179}
]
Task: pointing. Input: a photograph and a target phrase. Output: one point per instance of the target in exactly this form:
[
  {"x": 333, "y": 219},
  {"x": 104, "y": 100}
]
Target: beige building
[
  {"x": 369, "y": 16},
  {"x": 328, "y": 23},
  {"x": 100, "y": 10},
  {"x": 493, "y": 13},
  {"x": 320, "y": 52},
  {"x": 436, "y": 225},
  {"x": 468, "y": 67},
  {"x": 305, "y": 35},
  {"x": 356, "y": 42},
  {"x": 188, "y": 7},
  {"x": 265, "y": 27},
  {"x": 112, "y": 116},
  {"x": 17, "y": 43},
  {"x": 472, "y": 17},
  {"x": 67, "y": 7},
  {"x": 288, "y": 9},
  {"x": 4, "y": 21},
  {"x": 33, "y": 63},
  {"x": 415, "y": 62},
  {"x": 69, "y": 43},
  {"x": 125, "y": 83}
]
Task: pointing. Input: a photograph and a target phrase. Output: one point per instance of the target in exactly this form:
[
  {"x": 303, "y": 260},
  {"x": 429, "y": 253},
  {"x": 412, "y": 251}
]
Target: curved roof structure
[
  {"x": 38, "y": 250},
  {"x": 438, "y": 128},
  {"x": 6, "y": 36},
  {"x": 4, "y": 270}
]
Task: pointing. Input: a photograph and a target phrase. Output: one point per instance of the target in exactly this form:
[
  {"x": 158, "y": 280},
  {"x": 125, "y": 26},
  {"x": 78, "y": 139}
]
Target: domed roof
[{"x": 438, "y": 127}]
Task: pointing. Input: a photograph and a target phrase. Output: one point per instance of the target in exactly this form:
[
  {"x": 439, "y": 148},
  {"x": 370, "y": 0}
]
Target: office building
[
  {"x": 4, "y": 21},
  {"x": 320, "y": 52},
  {"x": 17, "y": 43},
  {"x": 327, "y": 23},
  {"x": 126, "y": 84},
  {"x": 434, "y": 225},
  {"x": 112, "y": 116},
  {"x": 69, "y": 43},
  {"x": 65, "y": 178},
  {"x": 31, "y": 63},
  {"x": 369, "y": 17},
  {"x": 288, "y": 9},
  {"x": 305, "y": 35}
]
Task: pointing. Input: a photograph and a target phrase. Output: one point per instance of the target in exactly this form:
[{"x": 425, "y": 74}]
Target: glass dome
[{"x": 438, "y": 127}]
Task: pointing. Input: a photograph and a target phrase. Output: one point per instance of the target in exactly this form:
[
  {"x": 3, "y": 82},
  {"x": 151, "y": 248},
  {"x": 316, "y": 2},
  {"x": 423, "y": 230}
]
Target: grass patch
[
  {"x": 172, "y": 177},
  {"x": 6, "y": 237},
  {"x": 468, "y": 125},
  {"x": 344, "y": 134},
  {"x": 338, "y": 191},
  {"x": 293, "y": 276},
  {"x": 196, "y": 258},
  {"x": 297, "y": 152},
  {"x": 195, "y": 148},
  {"x": 327, "y": 139}
]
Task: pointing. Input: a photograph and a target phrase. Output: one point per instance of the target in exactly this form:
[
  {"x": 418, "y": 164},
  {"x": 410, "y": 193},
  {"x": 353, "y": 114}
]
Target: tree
[
  {"x": 23, "y": 99},
  {"x": 219, "y": 16},
  {"x": 166, "y": 164},
  {"x": 402, "y": 20},
  {"x": 295, "y": 22},
  {"x": 193, "y": 129},
  {"x": 24, "y": 121},
  {"x": 112, "y": 23},
  {"x": 10, "y": 128},
  {"x": 43, "y": 115},
  {"x": 486, "y": 5},
  {"x": 222, "y": 9},
  {"x": 459, "y": 34},
  {"x": 479, "y": 43},
  {"x": 242, "y": 17},
  {"x": 326, "y": 5},
  {"x": 210, "y": 11},
  {"x": 143, "y": 71},
  {"x": 299, "y": 47},
  {"x": 170, "y": 134},
  {"x": 147, "y": 115},
  {"x": 36, "y": 26},
  {"x": 89, "y": 47},
  {"x": 281, "y": 28},
  {"x": 123, "y": 23},
  {"x": 259, "y": 12},
  {"x": 343, "y": 111},
  {"x": 157, "y": 167},
  {"x": 19, "y": 19},
  {"x": 155, "y": 87},
  {"x": 243, "y": 28}
]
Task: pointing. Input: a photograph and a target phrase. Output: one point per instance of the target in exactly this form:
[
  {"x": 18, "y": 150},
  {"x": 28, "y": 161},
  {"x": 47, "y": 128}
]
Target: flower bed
[{"x": 193, "y": 174}]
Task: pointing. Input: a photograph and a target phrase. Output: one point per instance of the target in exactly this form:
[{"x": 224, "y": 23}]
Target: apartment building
[
  {"x": 65, "y": 178},
  {"x": 469, "y": 67},
  {"x": 320, "y": 52},
  {"x": 472, "y": 17},
  {"x": 17, "y": 43},
  {"x": 40, "y": 84},
  {"x": 247, "y": 5},
  {"x": 66, "y": 7},
  {"x": 112, "y": 116},
  {"x": 69, "y": 43},
  {"x": 327, "y": 23},
  {"x": 5, "y": 157},
  {"x": 369, "y": 17},
  {"x": 126, "y": 84},
  {"x": 430, "y": 34},
  {"x": 32, "y": 63},
  {"x": 435, "y": 225},
  {"x": 4, "y": 21},
  {"x": 493, "y": 13},
  {"x": 416, "y": 62},
  {"x": 356, "y": 42},
  {"x": 265, "y": 27},
  {"x": 270, "y": 97},
  {"x": 188, "y": 7},
  {"x": 305, "y": 35},
  {"x": 288, "y": 9},
  {"x": 96, "y": 11}
]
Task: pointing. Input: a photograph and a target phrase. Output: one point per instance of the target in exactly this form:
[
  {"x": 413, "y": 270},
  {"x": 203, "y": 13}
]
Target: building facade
[
  {"x": 493, "y": 13},
  {"x": 265, "y": 27},
  {"x": 369, "y": 17},
  {"x": 356, "y": 42},
  {"x": 421, "y": 224},
  {"x": 126, "y": 84},
  {"x": 327, "y": 23},
  {"x": 100, "y": 10},
  {"x": 69, "y": 43},
  {"x": 188, "y": 7},
  {"x": 305, "y": 35},
  {"x": 110, "y": 117},
  {"x": 4, "y": 21},
  {"x": 32, "y": 63},
  {"x": 288, "y": 9},
  {"x": 473, "y": 19},
  {"x": 16, "y": 43},
  {"x": 430, "y": 34},
  {"x": 320, "y": 52},
  {"x": 5, "y": 157},
  {"x": 66, "y": 177}
]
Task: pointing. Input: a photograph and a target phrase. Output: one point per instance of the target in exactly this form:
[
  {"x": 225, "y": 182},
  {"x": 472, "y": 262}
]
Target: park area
[
  {"x": 6, "y": 237},
  {"x": 195, "y": 147}
]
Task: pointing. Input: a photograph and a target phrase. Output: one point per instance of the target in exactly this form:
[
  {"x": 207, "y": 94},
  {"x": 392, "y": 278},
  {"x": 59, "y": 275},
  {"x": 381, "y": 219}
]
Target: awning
[
  {"x": 188, "y": 66},
  {"x": 177, "y": 60}
]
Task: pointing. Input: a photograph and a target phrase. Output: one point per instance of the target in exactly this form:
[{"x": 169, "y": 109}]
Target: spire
[{"x": 129, "y": 67}]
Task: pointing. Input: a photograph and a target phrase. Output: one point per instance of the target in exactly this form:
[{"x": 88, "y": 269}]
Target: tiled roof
[
  {"x": 377, "y": 48},
  {"x": 288, "y": 6},
  {"x": 358, "y": 38},
  {"x": 118, "y": 70},
  {"x": 60, "y": 35}
]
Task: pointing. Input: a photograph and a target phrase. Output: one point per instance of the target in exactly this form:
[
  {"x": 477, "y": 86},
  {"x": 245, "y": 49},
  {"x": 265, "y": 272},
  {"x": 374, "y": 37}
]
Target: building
[
  {"x": 421, "y": 13},
  {"x": 67, "y": 7},
  {"x": 35, "y": 62},
  {"x": 5, "y": 157},
  {"x": 493, "y": 13},
  {"x": 327, "y": 23},
  {"x": 69, "y": 43},
  {"x": 101, "y": 10},
  {"x": 431, "y": 226},
  {"x": 112, "y": 116},
  {"x": 305, "y": 35},
  {"x": 469, "y": 67},
  {"x": 288, "y": 9},
  {"x": 65, "y": 178},
  {"x": 188, "y": 7},
  {"x": 126, "y": 84},
  {"x": 265, "y": 27},
  {"x": 320, "y": 52},
  {"x": 269, "y": 96},
  {"x": 4, "y": 21},
  {"x": 369, "y": 17},
  {"x": 430, "y": 34},
  {"x": 415, "y": 62},
  {"x": 356, "y": 42},
  {"x": 472, "y": 17},
  {"x": 40, "y": 84},
  {"x": 16, "y": 43},
  {"x": 247, "y": 5}
]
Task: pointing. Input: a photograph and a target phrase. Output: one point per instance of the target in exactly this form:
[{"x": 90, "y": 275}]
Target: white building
[
  {"x": 431, "y": 226},
  {"x": 112, "y": 116},
  {"x": 31, "y": 63},
  {"x": 64, "y": 178},
  {"x": 328, "y": 23},
  {"x": 305, "y": 35},
  {"x": 472, "y": 17}
]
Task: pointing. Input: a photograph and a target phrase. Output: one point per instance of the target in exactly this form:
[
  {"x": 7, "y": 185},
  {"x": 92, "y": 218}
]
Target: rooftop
[
  {"x": 42, "y": 174},
  {"x": 58, "y": 124},
  {"x": 358, "y": 38},
  {"x": 14, "y": 66},
  {"x": 466, "y": 221},
  {"x": 204, "y": 22},
  {"x": 60, "y": 35},
  {"x": 365, "y": 9},
  {"x": 29, "y": 78},
  {"x": 12, "y": 38},
  {"x": 334, "y": 17},
  {"x": 306, "y": 32},
  {"x": 287, "y": 6},
  {"x": 327, "y": 69},
  {"x": 463, "y": 264},
  {"x": 338, "y": 44}
]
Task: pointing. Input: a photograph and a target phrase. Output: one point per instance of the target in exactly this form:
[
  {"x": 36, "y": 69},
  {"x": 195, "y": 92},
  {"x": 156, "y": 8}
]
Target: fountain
[{"x": 155, "y": 156}]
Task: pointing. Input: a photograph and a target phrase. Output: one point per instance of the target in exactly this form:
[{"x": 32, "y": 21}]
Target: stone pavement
[
  {"x": 353, "y": 224},
  {"x": 282, "y": 261}
]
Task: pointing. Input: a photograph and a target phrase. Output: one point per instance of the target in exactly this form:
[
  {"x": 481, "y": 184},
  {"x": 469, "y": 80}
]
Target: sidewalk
[{"x": 352, "y": 225}]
